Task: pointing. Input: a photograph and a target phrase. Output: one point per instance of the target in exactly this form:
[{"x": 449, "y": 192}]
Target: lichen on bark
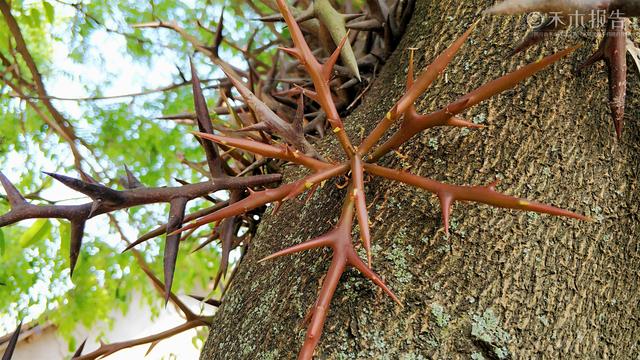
[{"x": 560, "y": 288}]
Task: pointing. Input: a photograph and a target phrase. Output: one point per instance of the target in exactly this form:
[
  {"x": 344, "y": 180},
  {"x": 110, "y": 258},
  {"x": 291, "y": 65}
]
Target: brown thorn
[
  {"x": 172, "y": 243},
  {"x": 75, "y": 244},
  {"x": 327, "y": 68},
  {"x": 218, "y": 37},
  {"x": 204, "y": 125},
  {"x": 94, "y": 191},
  {"x": 13, "y": 195},
  {"x": 446, "y": 201},
  {"x": 132, "y": 180}
]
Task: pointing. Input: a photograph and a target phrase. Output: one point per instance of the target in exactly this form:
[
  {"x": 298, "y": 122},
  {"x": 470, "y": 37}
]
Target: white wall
[{"x": 46, "y": 345}]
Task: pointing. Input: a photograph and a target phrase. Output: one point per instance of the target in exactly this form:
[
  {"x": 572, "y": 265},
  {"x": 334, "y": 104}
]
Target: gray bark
[{"x": 505, "y": 283}]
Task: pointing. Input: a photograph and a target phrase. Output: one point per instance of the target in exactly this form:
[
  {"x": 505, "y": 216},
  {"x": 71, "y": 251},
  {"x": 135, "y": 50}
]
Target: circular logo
[{"x": 534, "y": 19}]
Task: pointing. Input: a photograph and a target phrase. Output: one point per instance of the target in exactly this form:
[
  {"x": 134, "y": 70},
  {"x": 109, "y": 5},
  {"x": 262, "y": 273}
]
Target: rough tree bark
[{"x": 505, "y": 283}]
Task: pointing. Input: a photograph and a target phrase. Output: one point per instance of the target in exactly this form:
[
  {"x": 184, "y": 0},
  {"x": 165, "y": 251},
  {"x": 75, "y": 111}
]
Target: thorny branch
[
  {"x": 268, "y": 131},
  {"x": 106, "y": 200},
  {"x": 339, "y": 239},
  {"x": 192, "y": 321}
]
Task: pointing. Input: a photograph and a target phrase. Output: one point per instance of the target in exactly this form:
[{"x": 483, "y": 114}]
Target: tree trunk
[{"x": 504, "y": 283}]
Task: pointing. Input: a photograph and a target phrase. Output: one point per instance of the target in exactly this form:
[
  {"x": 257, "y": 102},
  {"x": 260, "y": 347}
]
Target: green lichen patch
[
  {"x": 480, "y": 118},
  {"x": 398, "y": 256},
  {"x": 439, "y": 315},
  {"x": 486, "y": 330},
  {"x": 412, "y": 356}
]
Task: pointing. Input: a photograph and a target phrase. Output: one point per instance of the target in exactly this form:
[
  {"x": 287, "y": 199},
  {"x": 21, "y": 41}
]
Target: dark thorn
[
  {"x": 218, "y": 39},
  {"x": 366, "y": 25},
  {"x": 206, "y": 197},
  {"x": 94, "y": 191},
  {"x": 299, "y": 118},
  {"x": 349, "y": 17},
  {"x": 597, "y": 56},
  {"x": 227, "y": 232},
  {"x": 204, "y": 124},
  {"x": 349, "y": 84},
  {"x": 379, "y": 9},
  {"x": 87, "y": 178},
  {"x": 539, "y": 33},
  {"x": 13, "y": 341},
  {"x": 162, "y": 229},
  {"x": 132, "y": 180},
  {"x": 77, "y": 232},
  {"x": 176, "y": 216},
  {"x": 208, "y": 241},
  {"x": 612, "y": 50},
  {"x": 78, "y": 352},
  {"x": 212, "y": 302},
  {"x": 261, "y": 126},
  {"x": 270, "y": 18},
  {"x": 13, "y": 195}
]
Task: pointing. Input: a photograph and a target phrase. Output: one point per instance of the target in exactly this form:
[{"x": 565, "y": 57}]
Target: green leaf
[
  {"x": 38, "y": 231},
  {"x": 1, "y": 242},
  {"x": 65, "y": 240},
  {"x": 34, "y": 17},
  {"x": 49, "y": 11}
]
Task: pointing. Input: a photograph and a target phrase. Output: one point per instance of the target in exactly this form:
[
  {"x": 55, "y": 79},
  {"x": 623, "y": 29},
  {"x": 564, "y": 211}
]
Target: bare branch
[
  {"x": 161, "y": 89},
  {"x": 106, "y": 200},
  {"x": 14, "y": 28}
]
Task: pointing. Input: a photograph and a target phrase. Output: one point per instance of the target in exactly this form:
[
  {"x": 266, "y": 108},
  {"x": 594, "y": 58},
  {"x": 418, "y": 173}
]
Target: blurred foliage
[{"x": 73, "y": 44}]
